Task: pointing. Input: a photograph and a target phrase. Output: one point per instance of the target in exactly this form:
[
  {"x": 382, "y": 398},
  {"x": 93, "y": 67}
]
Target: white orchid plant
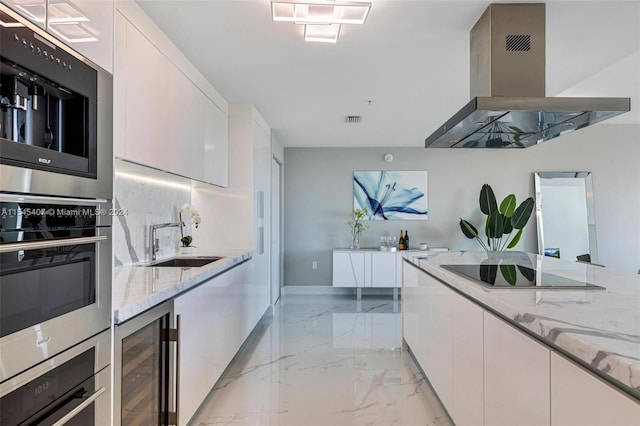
[{"x": 188, "y": 213}]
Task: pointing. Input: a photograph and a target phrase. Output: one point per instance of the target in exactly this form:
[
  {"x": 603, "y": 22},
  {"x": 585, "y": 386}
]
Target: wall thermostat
[{"x": 388, "y": 158}]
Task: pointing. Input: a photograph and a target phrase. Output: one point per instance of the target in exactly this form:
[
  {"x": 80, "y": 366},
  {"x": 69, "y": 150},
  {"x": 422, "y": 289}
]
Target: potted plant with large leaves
[{"x": 501, "y": 221}]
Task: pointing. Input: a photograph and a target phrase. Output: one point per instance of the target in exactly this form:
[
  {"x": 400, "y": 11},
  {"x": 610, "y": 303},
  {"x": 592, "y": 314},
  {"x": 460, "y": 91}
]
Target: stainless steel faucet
[{"x": 154, "y": 243}]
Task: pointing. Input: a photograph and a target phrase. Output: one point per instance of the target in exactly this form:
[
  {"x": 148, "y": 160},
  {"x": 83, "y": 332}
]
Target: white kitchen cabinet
[
  {"x": 214, "y": 124},
  {"x": 35, "y": 10},
  {"x": 436, "y": 324},
  {"x": 444, "y": 331},
  {"x": 195, "y": 314},
  {"x": 384, "y": 269},
  {"x": 184, "y": 135},
  {"x": 165, "y": 114},
  {"x": 160, "y": 127},
  {"x": 91, "y": 34},
  {"x": 412, "y": 308},
  {"x": 367, "y": 268},
  {"x": 516, "y": 376},
  {"x": 215, "y": 319},
  {"x": 468, "y": 362},
  {"x": 146, "y": 78},
  {"x": 428, "y": 328},
  {"x": 84, "y": 25},
  {"x": 348, "y": 269},
  {"x": 578, "y": 398},
  {"x": 119, "y": 86}
]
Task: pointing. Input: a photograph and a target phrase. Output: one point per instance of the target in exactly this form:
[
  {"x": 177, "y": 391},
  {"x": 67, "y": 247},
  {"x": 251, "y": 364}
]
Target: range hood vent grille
[
  {"x": 518, "y": 43},
  {"x": 508, "y": 107}
]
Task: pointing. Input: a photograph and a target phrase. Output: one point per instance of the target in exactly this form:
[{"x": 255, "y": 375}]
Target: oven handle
[
  {"x": 36, "y": 245},
  {"x": 71, "y": 414}
]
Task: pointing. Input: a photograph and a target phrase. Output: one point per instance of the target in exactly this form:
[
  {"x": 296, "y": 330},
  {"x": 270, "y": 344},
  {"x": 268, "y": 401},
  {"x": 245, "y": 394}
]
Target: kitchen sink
[{"x": 188, "y": 262}]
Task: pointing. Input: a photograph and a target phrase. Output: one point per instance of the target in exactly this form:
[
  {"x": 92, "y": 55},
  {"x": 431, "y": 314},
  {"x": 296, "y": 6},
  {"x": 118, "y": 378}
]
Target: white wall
[{"x": 319, "y": 194}]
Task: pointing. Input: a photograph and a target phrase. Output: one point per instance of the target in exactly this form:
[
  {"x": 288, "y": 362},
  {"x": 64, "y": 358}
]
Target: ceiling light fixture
[
  {"x": 322, "y": 19},
  {"x": 320, "y": 12},
  {"x": 322, "y": 32}
]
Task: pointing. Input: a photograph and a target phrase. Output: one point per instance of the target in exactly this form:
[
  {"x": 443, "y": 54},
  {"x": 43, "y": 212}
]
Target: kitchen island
[{"x": 525, "y": 355}]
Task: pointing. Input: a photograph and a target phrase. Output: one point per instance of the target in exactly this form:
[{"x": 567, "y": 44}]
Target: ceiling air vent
[{"x": 352, "y": 118}]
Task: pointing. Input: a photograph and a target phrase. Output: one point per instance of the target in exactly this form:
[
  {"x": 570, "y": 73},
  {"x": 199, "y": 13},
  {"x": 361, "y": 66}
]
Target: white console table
[{"x": 367, "y": 268}]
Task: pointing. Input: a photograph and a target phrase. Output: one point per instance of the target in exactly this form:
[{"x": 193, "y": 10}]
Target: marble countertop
[
  {"x": 137, "y": 288},
  {"x": 414, "y": 252},
  {"x": 599, "y": 329}
]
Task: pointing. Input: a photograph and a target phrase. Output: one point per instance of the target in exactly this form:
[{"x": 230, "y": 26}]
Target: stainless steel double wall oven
[{"x": 56, "y": 186}]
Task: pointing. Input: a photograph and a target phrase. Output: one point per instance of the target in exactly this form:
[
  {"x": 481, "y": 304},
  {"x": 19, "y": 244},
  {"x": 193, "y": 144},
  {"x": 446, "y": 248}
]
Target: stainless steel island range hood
[{"x": 508, "y": 108}]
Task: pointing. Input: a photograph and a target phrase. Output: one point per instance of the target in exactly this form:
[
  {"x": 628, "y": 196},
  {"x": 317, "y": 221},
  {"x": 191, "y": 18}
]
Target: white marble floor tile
[{"x": 324, "y": 360}]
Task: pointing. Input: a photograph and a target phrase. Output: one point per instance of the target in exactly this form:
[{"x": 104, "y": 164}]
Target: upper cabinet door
[
  {"x": 35, "y": 10},
  {"x": 165, "y": 113},
  {"x": 215, "y": 124},
  {"x": 147, "y": 129},
  {"x": 83, "y": 25},
  {"x": 86, "y": 26},
  {"x": 184, "y": 133}
]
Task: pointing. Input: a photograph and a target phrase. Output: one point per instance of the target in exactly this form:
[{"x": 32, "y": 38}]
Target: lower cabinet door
[
  {"x": 348, "y": 269},
  {"x": 195, "y": 380},
  {"x": 411, "y": 308},
  {"x": 468, "y": 363},
  {"x": 436, "y": 330},
  {"x": 427, "y": 328},
  {"x": 516, "y": 376},
  {"x": 383, "y": 269},
  {"x": 578, "y": 398}
]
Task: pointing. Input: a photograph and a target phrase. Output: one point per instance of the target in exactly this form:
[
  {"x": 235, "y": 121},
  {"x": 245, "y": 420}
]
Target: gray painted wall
[{"x": 318, "y": 195}]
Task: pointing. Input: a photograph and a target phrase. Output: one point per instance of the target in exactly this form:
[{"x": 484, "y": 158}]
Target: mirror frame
[{"x": 591, "y": 222}]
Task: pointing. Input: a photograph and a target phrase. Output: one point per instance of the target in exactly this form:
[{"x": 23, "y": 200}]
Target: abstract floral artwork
[{"x": 390, "y": 195}]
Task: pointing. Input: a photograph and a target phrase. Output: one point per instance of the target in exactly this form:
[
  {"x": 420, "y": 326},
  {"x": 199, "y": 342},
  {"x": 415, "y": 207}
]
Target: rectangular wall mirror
[{"x": 565, "y": 214}]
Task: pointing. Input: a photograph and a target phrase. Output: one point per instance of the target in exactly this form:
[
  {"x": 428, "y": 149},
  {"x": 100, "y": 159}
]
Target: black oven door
[
  {"x": 41, "y": 284},
  {"x": 72, "y": 388}
]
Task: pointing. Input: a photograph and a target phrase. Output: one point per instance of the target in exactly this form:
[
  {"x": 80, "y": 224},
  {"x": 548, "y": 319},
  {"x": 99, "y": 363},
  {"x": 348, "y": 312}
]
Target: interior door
[{"x": 276, "y": 256}]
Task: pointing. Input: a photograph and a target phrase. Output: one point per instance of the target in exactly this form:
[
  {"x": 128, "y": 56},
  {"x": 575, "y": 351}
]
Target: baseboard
[{"x": 329, "y": 290}]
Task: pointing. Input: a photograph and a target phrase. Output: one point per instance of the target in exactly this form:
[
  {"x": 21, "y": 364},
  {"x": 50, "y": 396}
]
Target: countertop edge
[{"x": 121, "y": 314}]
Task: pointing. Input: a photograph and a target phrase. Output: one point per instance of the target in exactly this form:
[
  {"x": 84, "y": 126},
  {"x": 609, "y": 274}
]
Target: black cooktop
[{"x": 517, "y": 276}]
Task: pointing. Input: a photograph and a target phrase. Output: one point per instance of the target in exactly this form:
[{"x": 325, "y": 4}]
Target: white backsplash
[{"x": 145, "y": 197}]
